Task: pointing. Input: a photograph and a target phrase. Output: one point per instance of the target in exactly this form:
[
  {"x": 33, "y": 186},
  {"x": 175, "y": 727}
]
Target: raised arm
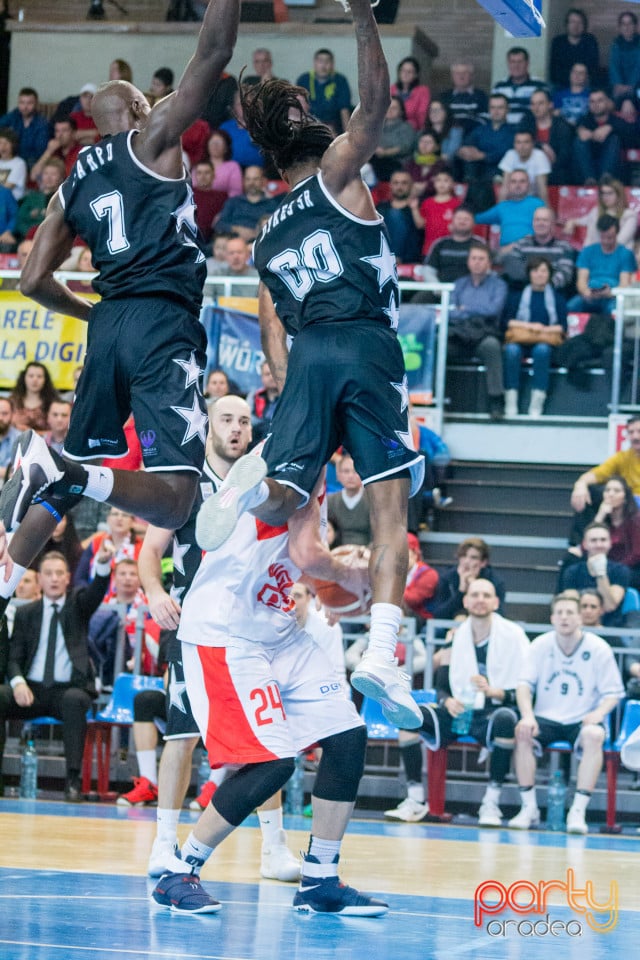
[
  {"x": 346, "y": 155},
  {"x": 171, "y": 116},
  {"x": 51, "y": 246}
]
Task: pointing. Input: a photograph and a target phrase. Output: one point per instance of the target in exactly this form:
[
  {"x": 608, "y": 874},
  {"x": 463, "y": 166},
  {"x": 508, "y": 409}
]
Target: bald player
[{"x": 129, "y": 197}]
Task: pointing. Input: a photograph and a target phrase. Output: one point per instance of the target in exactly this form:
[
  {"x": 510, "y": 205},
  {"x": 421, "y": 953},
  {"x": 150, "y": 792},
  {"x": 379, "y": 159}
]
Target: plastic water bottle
[
  {"x": 29, "y": 770},
  {"x": 295, "y": 789},
  {"x": 556, "y": 801},
  {"x": 462, "y": 723},
  {"x": 204, "y": 771}
]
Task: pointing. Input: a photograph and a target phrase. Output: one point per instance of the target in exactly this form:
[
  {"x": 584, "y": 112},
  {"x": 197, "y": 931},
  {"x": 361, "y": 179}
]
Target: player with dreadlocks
[{"x": 329, "y": 280}]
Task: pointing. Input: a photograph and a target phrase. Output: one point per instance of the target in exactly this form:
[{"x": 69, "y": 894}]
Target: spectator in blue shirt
[
  {"x": 485, "y": 146},
  {"x": 329, "y": 93},
  {"x": 624, "y": 56},
  {"x": 34, "y": 132},
  {"x": 601, "y": 267},
  {"x": 600, "y": 137},
  {"x": 8, "y": 435},
  {"x": 573, "y": 102},
  {"x": 515, "y": 214},
  {"x": 8, "y": 216}
]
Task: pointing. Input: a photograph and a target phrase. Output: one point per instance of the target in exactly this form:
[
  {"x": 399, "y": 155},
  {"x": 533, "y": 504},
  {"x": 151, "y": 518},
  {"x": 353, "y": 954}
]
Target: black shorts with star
[
  {"x": 346, "y": 384},
  {"x": 180, "y": 722},
  {"x": 146, "y": 356}
]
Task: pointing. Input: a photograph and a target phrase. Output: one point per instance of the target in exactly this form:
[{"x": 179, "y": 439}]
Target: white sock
[
  {"x": 581, "y": 802},
  {"x": 415, "y": 791},
  {"x": 383, "y": 633},
  {"x": 270, "y": 825},
  {"x": 217, "y": 775},
  {"x": 99, "y": 482},
  {"x": 326, "y": 851},
  {"x": 253, "y": 498},
  {"x": 147, "y": 765},
  {"x": 167, "y": 825},
  {"x": 492, "y": 793},
  {"x": 195, "y": 853},
  {"x": 8, "y": 587},
  {"x": 528, "y": 798}
]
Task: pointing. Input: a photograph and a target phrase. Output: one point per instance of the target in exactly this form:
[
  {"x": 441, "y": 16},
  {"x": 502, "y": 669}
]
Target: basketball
[{"x": 336, "y": 598}]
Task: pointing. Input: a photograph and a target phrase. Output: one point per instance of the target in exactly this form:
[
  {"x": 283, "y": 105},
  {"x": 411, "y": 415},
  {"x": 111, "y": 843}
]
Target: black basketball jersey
[
  {"x": 322, "y": 264},
  {"x": 139, "y": 225}
]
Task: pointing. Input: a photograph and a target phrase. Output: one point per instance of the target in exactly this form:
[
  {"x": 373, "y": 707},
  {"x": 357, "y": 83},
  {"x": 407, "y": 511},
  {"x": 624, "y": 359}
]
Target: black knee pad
[
  {"x": 249, "y": 787},
  {"x": 59, "y": 505},
  {"x": 149, "y": 704},
  {"x": 341, "y": 766},
  {"x": 502, "y": 724}
]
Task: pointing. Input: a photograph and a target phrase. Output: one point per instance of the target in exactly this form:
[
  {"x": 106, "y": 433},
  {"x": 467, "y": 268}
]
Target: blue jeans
[
  {"x": 592, "y": 159},
  {"x": 580, "y": 304},
  {"x": 540, "y": 353}
]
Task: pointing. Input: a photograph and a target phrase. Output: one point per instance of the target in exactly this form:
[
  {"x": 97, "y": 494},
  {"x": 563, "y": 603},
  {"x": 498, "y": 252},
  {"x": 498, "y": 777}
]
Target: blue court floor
[{"x": 428, "y": 874}]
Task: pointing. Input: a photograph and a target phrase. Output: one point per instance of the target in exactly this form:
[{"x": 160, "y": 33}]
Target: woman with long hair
[
  {"x": 440, "y": 122},
  {"x": 227, "y": 174},
  {"x": 32, "y": 396},
  {"x": 612, "y": 200},
  {"x": 397, "y": 141},
  {"x": 414, "y": 95},
  {"x": 618, "y": 510}
]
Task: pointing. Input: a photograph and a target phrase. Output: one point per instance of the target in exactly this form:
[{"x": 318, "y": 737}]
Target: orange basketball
[{"x": 336, "y": 598}]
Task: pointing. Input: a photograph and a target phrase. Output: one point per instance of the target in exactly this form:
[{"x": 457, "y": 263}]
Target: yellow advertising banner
[{"x": 31, "y": 332}]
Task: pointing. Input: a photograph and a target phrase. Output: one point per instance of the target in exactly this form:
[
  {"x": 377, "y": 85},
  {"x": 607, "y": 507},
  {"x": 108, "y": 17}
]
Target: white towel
[{"x": 508, "y": 645}]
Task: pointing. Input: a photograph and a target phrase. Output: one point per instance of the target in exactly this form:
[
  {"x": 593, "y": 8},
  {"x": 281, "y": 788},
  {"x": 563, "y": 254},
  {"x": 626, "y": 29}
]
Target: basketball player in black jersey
[
  {"x": 329, "y": 280},
  {"x": 129, "y": 197}
]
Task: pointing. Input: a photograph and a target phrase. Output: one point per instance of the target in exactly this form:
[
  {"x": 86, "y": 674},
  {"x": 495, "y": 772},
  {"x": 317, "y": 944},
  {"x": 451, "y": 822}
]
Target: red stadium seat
[
  {"x": 575, "y": 202},
  {"x": 381, "y": 192}
]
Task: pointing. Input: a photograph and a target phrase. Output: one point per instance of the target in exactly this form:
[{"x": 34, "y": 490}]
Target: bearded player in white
[{"x": 261, "y": 691}]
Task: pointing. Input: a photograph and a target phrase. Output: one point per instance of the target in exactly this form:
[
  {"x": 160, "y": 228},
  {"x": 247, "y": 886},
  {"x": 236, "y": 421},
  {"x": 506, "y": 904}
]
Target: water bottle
[
  {"x": 462, "y": 723},
  {"x": 29, "y": 770},
  {"x": 204, "y": 771},
  {"x": 556, "y": 801},
  {"x": 295, "y": 789}
]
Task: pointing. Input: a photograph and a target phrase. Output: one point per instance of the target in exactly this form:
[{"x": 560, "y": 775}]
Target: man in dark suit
[{"x": 49, "y": 670}]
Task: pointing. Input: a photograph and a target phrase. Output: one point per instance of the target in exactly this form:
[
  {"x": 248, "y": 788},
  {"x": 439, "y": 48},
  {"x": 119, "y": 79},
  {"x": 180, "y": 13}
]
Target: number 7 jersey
[
  {"x": 322, "y": 264},
  {"x": 139, "y": 225}
]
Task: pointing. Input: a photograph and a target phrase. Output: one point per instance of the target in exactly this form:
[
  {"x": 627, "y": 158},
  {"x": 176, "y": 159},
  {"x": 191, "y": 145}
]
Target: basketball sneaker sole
[{"x": 219, "y": 514}]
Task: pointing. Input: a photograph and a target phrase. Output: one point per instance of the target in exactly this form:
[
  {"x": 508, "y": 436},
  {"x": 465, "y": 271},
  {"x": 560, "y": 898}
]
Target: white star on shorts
[
  {"x": 403, "y": 390},
  {"x": 197, "y": 421},
  {"x": 176, "y": 692},
  {"x": 179, "y": 552},
  {"x": 192, "y": 369}
]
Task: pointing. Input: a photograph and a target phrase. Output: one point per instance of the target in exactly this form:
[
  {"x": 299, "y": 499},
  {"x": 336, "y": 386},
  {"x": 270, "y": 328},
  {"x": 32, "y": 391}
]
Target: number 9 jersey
[
  {"x": 322, "y": 264},
  {"x": 139, "y": 225}
]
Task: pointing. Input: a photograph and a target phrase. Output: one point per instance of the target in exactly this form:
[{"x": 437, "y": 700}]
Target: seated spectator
[
  {"x": 485, "y": 146},
  {"x": 573, "y": 102},
  {"x": 58, "y": 417},
  {"x": 83, "y": 264},
  {"x": 263, "y": 66},
  {"x": 515, "y": 213},
  {"x": 64, "y": 540},
  {"x": 227, "y": 174},
  {"x": 33, "y": 208},
  {"x": 263, "y": 403},
  {"x": 406, "y": 239},
  {"x": 329, "y": 93},
  {"x": 32, "y": 128},
  {"x": 518, "y": 86},
  {"x": 49, "y": 670},
  {"x": 217, "y": 262},
  {"x": 243, "y": 149},
  {"x": 466, "y": 103},
  {"x": 553, "y": 135},
  {"x": 475, "y": 315},
  {"x": 348, "y": 509},
  {"x": 591, "y": 607},
  {"x": 63, "y": 146},
  {"x": 161, "y": 84},
  {"x": 541, "y": 314},
  {"x": 425, "y": 165},
  {"x": 524, "y": 156},
  {"x": 120, "y": 534},
  {"x": 618, "y": 510},
  {"x": 217, "y": 385},
  {"x": 612, "y": 200},
  {"x": 624, "y": 56},
  {"x": 442, "y": 123},
  {"x": 32, "y": 396},
  {"x": 601, "y": 267},
  {"x": 8, "y": 435},
  {"x": 86, "y": 130},
  {"x": 571, "y": 704},
  {"x": 27, "y": 589},
  {"x": 422, "y": 584},
  {"x": 209, "y": 202},
  {"x": 434, "y": 214},
  {"x": 397, "y": 142},
  {"x": 433, "y": 492},
  {"x": 624, "y": 463},
  {"x": 240, "y": 215},
  {"x": 574, "y": 46},
  {"x": 120, "y": 70},
  {"x": 236, "y": 264},
  {"x": 414, "y": 95},
  {"x": 596, "y": 570},
  {"x": 487, "y": 656},
  {"x": 601, "y": 137},
  {"x": 473, "y": 561},
  {"x": 8, "y": 217},
  {"x": 13, "y": 169},
  {"x": 542, "y": 242},
  {"x": 448, "y": 256}
]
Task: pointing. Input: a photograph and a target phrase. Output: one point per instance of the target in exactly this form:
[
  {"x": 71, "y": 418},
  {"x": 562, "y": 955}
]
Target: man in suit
[{"x": 49, "y": 670}]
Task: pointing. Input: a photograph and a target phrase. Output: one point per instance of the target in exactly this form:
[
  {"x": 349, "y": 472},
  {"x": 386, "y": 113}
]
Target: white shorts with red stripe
[{"x": 254, "y": 704}]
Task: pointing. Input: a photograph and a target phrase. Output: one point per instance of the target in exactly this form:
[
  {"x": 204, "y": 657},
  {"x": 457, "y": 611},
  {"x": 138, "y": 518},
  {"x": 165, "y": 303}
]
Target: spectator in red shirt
[
  {"x": 422, "y": 582},
  {"x": 87, "y": 132},
  {"x": 435, "y": 213},
  {"x": 62, "y": 146},
  {"x": 209, "y": 202}
]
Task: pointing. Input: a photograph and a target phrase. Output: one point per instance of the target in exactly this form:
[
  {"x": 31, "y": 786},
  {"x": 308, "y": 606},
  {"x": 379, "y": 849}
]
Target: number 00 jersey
[
  {"x": 323, "y": 264},
  {"x": 139, "y": 225}
]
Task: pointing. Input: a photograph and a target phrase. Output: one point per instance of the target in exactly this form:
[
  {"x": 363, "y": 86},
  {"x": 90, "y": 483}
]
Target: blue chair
[
  {"x": 117, "y": 713},
  {"x": 378, "y": 727},
  {"x": 631, "y": 600},
  {"x": 630, "y": 722}
]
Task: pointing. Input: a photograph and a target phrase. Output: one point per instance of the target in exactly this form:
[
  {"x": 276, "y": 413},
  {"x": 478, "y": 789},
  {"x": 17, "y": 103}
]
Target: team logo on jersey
[
  {"x": 275, "y": 593},
  {"x": 147, "y": 438},
  {"x": 586, "y": 655}
]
